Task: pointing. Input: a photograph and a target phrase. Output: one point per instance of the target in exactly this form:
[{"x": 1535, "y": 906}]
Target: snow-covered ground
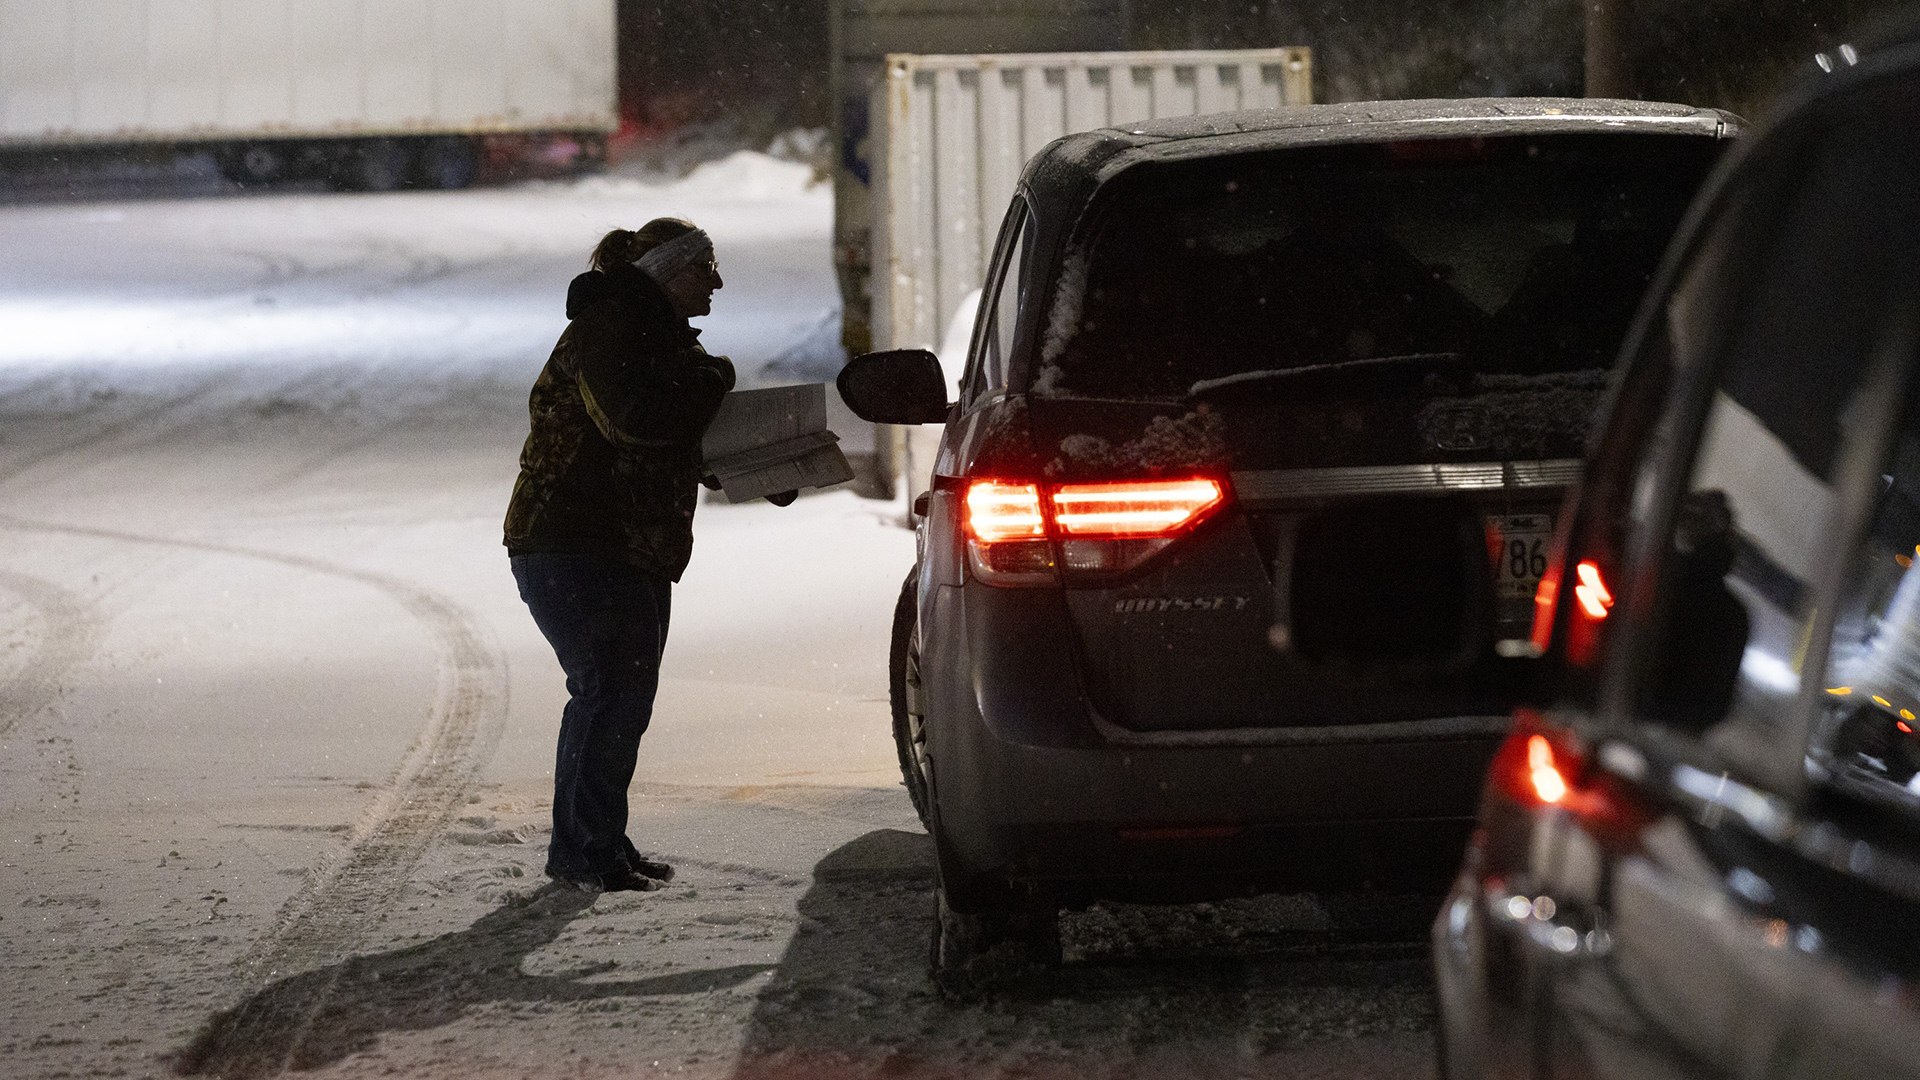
[{"x": 275, "y": 731}]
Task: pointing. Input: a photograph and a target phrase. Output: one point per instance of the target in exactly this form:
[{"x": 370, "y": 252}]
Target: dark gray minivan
[{"x": 1226, "y": 577}]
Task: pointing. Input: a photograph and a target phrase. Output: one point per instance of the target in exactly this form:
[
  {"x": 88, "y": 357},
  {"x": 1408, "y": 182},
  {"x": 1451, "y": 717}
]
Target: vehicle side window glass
[
  {"x": 993, "y": 340},
  {"x": 1792, "y": 303},
  {"x": 1866, "y": 738}
]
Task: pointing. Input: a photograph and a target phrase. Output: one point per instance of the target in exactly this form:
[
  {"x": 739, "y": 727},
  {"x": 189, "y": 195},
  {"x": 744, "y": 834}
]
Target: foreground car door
[{"x": 1705, "y": 861}]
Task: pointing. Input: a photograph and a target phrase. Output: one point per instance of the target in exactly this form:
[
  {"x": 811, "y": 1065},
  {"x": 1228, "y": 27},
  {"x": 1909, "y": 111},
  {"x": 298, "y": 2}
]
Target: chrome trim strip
[
  {"x": 1552, "y": 473},
  {"x": 1439, "y": 728},
  {"x": 1256, "y": 488}
]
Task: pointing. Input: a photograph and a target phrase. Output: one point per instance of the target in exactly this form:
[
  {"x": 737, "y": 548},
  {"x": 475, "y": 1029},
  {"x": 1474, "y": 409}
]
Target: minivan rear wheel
[
  {"x": 908, "y": 699},
  {"x": 974, "y": 954}
]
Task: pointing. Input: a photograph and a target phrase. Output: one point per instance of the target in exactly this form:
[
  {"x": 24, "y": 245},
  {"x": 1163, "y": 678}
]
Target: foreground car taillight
[
  {"x": 1592, "y": 603},
  {"x": 1538, "y": 765},
  {"x": 1013, "y": 528},
  {"x": 1541, "y": 765}
]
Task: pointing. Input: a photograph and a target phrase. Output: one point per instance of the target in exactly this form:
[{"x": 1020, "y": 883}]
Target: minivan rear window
[{"x": 1499, "y": 255}]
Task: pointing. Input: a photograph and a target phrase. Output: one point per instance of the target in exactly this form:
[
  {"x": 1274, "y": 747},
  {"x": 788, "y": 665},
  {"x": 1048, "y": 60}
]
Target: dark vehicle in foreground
[
  {"x": 1703, "y": 857},
  {"x": 1226, "y": 575}
]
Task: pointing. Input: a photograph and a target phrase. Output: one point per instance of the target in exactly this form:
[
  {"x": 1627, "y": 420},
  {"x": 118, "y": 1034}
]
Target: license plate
[{"x": 1517, "y": 548}]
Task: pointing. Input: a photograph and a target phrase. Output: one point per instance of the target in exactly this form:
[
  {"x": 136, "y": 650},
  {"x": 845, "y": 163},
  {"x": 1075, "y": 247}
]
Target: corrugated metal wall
[
  {"x": 953, "y": 133},
  {"x": 173, "y": 69}
]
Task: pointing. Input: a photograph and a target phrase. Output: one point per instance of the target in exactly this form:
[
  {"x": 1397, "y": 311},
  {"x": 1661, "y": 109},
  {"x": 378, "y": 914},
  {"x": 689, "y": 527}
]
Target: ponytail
[
  {"x": 617, "y": 248},
  {"x": 623, "y": 246}
]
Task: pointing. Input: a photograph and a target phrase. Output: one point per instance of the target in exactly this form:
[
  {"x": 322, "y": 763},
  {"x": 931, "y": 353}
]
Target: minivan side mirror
[{"x": 898, "y": 386}]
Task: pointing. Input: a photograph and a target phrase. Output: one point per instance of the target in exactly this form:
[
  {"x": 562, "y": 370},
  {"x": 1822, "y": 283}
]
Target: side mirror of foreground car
[{"x": 898, "y": 386}]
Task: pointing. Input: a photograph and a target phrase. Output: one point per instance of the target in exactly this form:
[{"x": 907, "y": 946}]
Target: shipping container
[
  {"x": 381, "y": 88},
  {"x": 950, "y": 135},
  {"x": 953, "y": 132}
]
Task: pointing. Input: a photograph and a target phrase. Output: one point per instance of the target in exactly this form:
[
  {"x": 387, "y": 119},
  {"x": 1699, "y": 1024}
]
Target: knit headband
[{"x": 662, "y": 263}]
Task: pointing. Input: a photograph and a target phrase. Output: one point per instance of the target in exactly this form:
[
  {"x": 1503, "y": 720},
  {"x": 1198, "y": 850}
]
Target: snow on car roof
[
  {"x": 1488, "y": 114},
  {"x": 1065, "y": 174}
]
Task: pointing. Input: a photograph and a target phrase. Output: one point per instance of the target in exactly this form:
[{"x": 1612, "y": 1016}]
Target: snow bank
[
  {"x": 746, "y": 174},
  {"x": 742, "y": 176},
  {"x": 817, "y": 356},
  {"x": 471, "y": 281}
]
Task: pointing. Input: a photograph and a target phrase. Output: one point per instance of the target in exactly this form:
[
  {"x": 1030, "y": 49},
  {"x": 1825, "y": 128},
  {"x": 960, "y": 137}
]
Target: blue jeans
[{"x": 607, "y": 623}]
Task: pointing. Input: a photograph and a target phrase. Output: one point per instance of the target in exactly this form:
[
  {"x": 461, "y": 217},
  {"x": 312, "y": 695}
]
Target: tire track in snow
[
  {"x": 325, "y": 921},
  {"x": 71, "y": 629},
  {"x": 109, "y": 429}
]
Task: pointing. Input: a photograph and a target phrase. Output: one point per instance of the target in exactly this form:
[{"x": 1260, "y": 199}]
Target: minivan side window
[
  {"x": 1000, "y": 309},
  {"x": 1788, "y": 308}
]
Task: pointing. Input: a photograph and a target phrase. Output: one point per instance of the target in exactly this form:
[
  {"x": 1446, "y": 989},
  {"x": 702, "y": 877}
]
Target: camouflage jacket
[{"x": 612, "y": 464}]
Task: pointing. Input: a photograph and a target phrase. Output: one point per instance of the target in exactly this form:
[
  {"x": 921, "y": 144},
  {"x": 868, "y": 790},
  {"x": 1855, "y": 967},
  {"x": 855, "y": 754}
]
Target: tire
[
  {"x": 908, "y": 700},
  {"x": 449, "y": 162},
  {"x": 371, "y": 165},
  {"x": 973, "y": 955},
  {"x": 252, "y": 164}
]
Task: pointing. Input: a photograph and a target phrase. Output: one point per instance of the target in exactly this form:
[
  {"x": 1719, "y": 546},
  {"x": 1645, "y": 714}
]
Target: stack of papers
[{"x": 763, "y": 442}]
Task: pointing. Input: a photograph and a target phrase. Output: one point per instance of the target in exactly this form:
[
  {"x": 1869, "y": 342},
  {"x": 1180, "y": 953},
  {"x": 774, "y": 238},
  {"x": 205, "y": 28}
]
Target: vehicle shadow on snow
[
  {"x": 1243, "y": 988},
  {"x": 317, "y": 1017}
]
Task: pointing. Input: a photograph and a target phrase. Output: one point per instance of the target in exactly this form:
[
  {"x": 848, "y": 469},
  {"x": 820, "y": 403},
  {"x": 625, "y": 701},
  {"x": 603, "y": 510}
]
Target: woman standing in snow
[{"x": 601, "y": 520}]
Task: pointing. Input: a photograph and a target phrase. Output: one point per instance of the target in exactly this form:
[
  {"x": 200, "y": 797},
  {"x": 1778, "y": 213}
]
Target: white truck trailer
[
  {"x": 948, "y": 138},
  {"x": 951, "y": 134},
  {"x": 936, "y": 106},
  {"x": 367, "y": 94}
]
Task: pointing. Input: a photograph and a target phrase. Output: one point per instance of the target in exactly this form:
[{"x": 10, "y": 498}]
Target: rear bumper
[
  {"x": 1089, "y": 812},
  {"x": 1074, "y": 863},
  {"x": 1192, "y": 822}
]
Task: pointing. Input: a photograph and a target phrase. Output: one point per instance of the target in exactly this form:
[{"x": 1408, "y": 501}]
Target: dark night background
[{"x": 761, "y": 66}]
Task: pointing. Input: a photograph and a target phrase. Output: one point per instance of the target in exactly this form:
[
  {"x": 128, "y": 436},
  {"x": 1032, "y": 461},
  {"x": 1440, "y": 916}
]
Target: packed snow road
[{"x": 275, "y": 731}]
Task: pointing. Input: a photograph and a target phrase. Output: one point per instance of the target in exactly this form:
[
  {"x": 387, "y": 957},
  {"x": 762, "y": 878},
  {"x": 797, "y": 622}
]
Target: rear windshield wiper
[{"x": 1268, "y": 375}]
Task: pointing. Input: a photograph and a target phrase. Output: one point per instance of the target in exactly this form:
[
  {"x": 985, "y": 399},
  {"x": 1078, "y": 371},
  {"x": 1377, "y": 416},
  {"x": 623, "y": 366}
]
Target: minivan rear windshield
[{"x": 1523, "y": 255}]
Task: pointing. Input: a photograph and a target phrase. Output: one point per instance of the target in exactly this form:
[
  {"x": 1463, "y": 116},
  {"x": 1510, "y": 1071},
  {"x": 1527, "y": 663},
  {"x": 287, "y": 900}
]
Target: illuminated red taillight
[
  {"x": 1547, "y": 782},
  {"x": 1538, "y": 765},
  {"x": 997, "y": 511},
  {"x": 1591, "y": 591},
  {"x": 1153, "y": 508},
  {"x": 1589, "y": 602},
  {"x": 1545, "y": 596},
  {"x": 1541, "y": 765},
  {"x": 1016, "y": 530}
]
